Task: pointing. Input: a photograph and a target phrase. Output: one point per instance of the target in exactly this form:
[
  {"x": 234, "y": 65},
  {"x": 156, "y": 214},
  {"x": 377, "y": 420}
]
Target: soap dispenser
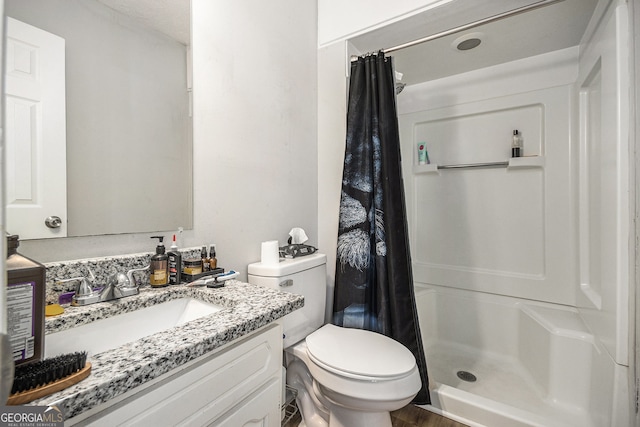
[{"x": 158, "y": 276}]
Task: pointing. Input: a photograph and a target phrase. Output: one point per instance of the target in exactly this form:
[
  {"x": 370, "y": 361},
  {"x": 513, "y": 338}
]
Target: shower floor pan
[
  {"x": 502, "y": 386},
  {"x": 504, "y": 362}
]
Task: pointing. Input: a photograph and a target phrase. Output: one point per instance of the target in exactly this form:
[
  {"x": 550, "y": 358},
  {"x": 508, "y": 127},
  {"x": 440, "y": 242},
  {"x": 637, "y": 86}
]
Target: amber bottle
[{"x": 25, "y": 304}]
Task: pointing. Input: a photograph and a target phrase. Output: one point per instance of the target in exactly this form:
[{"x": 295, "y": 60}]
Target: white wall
[
  {"x": 332, "y": 116},
  {"x": 255, "y": 125},
  {"x": 255, "y": 131}
]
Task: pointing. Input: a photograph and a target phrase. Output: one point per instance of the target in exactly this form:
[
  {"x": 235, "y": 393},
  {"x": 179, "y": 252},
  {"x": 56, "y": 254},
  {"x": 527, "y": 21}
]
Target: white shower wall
[
  {"x": 508, "y": 231},
  {"x": 606, "y": 241}
]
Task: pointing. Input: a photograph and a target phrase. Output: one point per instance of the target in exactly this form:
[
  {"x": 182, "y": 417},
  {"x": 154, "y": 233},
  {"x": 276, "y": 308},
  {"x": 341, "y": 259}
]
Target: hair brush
[{"x": 35, "y": 380}]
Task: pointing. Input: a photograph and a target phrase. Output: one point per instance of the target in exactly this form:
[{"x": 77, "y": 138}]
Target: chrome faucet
[{"x": 119, "y": 285}]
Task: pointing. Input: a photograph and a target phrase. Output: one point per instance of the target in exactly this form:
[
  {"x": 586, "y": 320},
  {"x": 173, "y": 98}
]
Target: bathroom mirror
[{"x": 128, "y": 124}]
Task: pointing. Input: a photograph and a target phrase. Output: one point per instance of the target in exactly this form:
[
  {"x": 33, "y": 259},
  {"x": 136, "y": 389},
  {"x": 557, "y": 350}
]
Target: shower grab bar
[{"x": 475, "y": 165}]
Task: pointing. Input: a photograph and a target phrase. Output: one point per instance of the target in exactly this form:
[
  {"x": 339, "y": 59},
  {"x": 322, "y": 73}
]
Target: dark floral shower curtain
[{"x": 374, "y": 286}]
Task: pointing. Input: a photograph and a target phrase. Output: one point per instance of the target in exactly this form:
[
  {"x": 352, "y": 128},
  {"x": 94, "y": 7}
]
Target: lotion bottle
[{"x": 158, "y": 276}]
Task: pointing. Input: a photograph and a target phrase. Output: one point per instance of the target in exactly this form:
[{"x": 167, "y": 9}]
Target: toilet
[{"x": 345, "y": 377}]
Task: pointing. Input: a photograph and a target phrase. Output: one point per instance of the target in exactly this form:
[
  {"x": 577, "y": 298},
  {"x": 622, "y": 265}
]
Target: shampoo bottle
[
  {"x": 516, "y": 145},
  {"x": 158, "y": 276},
  {"x": 25, "y": 304},
  {"x": 174, "y": 260}
]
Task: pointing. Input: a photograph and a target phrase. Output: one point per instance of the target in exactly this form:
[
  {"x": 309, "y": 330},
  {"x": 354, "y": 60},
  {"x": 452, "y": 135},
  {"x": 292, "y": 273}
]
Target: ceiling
[
  {"x": 170, "y": 17},
  {"x": 552, "y": 27}
]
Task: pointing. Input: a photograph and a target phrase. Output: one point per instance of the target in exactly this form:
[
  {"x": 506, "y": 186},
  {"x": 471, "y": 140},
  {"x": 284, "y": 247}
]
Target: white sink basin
[{"x": 112, "y": 332}]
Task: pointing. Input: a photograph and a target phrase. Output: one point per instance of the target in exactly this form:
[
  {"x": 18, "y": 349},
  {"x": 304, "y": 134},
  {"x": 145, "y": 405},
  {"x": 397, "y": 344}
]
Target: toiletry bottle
[
  {"x": 174, "y": 260},
  {"x": 25, "y": 304},
  {"x": 205, "y": 259},
  {"x": 516, "y": 145},
  {"x": 423, "y": 155},
  {"x": 213, "y": 261},
  {"x": 159, "y": 271}
]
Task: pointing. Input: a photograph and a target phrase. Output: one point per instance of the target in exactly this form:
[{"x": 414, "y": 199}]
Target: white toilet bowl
[
  {"x": 351, "y": 377},
  {"x": 344, "y": 377}
]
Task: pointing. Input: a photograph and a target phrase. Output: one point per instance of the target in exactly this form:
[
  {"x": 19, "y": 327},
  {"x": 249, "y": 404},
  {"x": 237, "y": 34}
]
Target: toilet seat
[{"x": 359, "y": 354}]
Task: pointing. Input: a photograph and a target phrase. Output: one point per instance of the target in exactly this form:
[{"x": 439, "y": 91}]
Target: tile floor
[{"x": 409, "y": 416}]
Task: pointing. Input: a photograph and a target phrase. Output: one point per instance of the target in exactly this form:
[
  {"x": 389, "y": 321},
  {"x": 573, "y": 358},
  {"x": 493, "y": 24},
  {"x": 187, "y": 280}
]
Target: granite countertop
[{"x": 245, "y": 308}]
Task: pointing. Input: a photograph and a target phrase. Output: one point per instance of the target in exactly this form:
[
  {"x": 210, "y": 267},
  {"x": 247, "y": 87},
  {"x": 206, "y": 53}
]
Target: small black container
[
  {"x": 25, "y": 304},
  {"x": 174, "y": 259}
]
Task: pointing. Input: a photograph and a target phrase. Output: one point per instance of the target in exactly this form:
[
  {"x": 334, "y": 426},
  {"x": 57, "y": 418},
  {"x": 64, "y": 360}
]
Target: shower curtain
[{"x": 374, "y": 286}]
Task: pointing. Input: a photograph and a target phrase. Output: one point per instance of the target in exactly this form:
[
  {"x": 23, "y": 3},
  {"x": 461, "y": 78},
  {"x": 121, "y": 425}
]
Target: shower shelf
[{"x": 513, "y": 163}]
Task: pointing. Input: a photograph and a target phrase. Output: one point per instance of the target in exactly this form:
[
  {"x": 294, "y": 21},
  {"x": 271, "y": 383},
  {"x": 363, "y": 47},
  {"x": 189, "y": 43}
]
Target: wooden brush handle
[{"x": 45, "y": 390}]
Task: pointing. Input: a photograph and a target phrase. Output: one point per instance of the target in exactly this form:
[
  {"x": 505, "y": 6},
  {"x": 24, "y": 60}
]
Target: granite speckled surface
[
  {"x": 101, "y": 268},
  {"x": 245, "y": 309}
]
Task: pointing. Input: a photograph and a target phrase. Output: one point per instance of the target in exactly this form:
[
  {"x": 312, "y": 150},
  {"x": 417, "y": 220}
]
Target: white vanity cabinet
[{"x": 237, "y": 385}]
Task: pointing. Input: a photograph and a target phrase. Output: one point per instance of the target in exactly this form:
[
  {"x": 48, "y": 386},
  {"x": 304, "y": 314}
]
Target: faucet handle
[
  {"x": 92, "y": 277},
  {"x": 83, "y": 289},
  {"x": 132, "y": 280}
]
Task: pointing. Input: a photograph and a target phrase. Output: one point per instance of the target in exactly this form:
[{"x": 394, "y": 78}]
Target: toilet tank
[{"x": 304, "y": 276}]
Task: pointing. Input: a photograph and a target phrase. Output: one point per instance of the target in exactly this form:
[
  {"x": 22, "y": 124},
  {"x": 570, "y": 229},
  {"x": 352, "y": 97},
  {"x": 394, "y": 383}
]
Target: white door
[{"x": 35, "y": 132}]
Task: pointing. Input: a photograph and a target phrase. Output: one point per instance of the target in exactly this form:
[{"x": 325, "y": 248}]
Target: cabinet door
[
  {"x": 210, "y": 388},
  {"x": 261, "y": 409}
]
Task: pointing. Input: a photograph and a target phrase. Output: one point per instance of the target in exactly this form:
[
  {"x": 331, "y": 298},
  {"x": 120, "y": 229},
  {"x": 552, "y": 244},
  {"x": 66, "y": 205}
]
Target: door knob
[{"x": 53, "y": 222}]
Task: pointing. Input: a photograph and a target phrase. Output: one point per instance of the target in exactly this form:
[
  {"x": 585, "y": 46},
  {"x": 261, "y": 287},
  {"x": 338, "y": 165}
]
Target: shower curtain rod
[{"x": 470, "y": 25}]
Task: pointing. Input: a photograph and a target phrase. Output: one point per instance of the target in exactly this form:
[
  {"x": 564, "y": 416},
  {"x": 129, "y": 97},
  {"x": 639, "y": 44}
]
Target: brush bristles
[{"x": 46, "y": 371}]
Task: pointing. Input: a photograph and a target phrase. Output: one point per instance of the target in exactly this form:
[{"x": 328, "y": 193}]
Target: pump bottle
[{"x": 158, "y": 276}]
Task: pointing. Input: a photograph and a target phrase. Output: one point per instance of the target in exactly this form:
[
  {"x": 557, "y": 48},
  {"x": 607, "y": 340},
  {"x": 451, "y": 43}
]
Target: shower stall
[{"x": 523, "y": 266}]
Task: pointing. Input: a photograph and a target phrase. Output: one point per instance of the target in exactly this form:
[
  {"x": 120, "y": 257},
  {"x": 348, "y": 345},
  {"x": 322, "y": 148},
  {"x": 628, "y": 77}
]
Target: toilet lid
[{"x": 359, "y": 353}]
